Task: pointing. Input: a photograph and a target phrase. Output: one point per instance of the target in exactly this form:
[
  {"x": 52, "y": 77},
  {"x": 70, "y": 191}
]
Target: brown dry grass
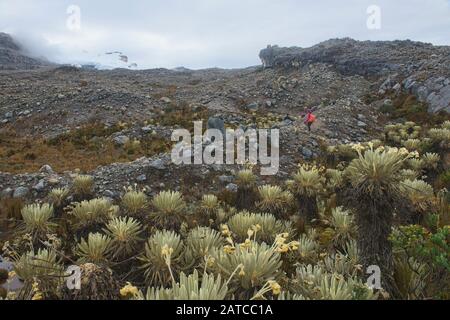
[
  {"x": 85, "y": 149},
  {"x": 182, "y": 116},
  {"x": 166, "y": 91}
]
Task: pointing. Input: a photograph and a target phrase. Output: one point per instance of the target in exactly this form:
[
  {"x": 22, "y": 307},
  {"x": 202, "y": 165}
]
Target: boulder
[
  {"x": 166, "y": 100},
  {"x": 21, "y": 192},
  {"x": 40, "y": 185},
  {"x": 252, "y": 106},
  {"x": 157, "y": 164},
  {"x": 46, "y": 169},
  {"x": 307, "y": 153},
  {"x": 216, "y": 123},
  {"x": 439, "y": 101},
  {"x": 422, "y": 93},
  {"x": 109, "y": 194}
]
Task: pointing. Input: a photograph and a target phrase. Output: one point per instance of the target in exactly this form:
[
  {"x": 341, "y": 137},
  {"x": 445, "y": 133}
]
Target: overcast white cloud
[{"x": 211, "y": 33}]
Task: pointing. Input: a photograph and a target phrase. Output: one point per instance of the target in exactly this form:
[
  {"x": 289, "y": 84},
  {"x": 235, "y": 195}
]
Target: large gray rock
[
  {"x": 216, "y": 123},
  {"x": 439, "y": 101},
  {"x": 361, "y": 124},
  {"x": 307, "y": 153},
  {"x": 157, "y": 164},
  {"x": 40, "y": 185},
  {"x": 21, "y": 192},
  {"x": 109, "y": 194},
  {"x": 388, "y": 84},
  {"x": 254, "y": 106}
]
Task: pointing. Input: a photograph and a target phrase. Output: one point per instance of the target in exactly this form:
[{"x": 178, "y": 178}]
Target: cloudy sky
[{"x": 210, "y": 33}]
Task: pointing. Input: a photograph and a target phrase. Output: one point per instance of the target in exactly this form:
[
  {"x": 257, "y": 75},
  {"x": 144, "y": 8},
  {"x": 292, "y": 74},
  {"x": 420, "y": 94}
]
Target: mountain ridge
[
  {"x": 14, "y": 57},
  {"x": 421, "y": 69}
]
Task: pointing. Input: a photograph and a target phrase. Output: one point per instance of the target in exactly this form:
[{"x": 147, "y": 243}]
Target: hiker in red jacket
[{"x": 309, "y": 118}]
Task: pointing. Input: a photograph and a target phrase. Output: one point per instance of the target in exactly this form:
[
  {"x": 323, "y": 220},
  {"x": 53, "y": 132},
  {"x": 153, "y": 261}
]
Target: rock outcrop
[{"x": 415, "y": 67}]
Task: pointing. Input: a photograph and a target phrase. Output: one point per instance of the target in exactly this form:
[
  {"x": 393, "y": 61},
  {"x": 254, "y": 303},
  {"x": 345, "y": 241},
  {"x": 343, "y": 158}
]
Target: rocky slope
[{"x": 46, "y": 113}]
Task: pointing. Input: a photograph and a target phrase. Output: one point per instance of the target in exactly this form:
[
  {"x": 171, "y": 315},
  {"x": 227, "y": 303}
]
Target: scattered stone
[
  {"x": 232, "y": 187},
  {"x": 46, "y": 169},
  {"x": 226, "y": 179},
  {"x": 109, "y": 194},
  {"x": 21, "y": 192},
  {"x": 252, "y": 106},
  {"x": 40, "y": 185},
  {"x": 141, "y": 178},
  {"x": 53, "y": 180},
  {"x": 147, "y": 129},
  {"x": 361, "y": 124},
  {"x": 121, "y": 140},
  {"x": 397, "y": 87},
  {"x": 166, "y": 100},
  {"x": 216, "y": 123},
  {"x": 439, "y": 100},
  {"x": 307, "y": 153}
]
